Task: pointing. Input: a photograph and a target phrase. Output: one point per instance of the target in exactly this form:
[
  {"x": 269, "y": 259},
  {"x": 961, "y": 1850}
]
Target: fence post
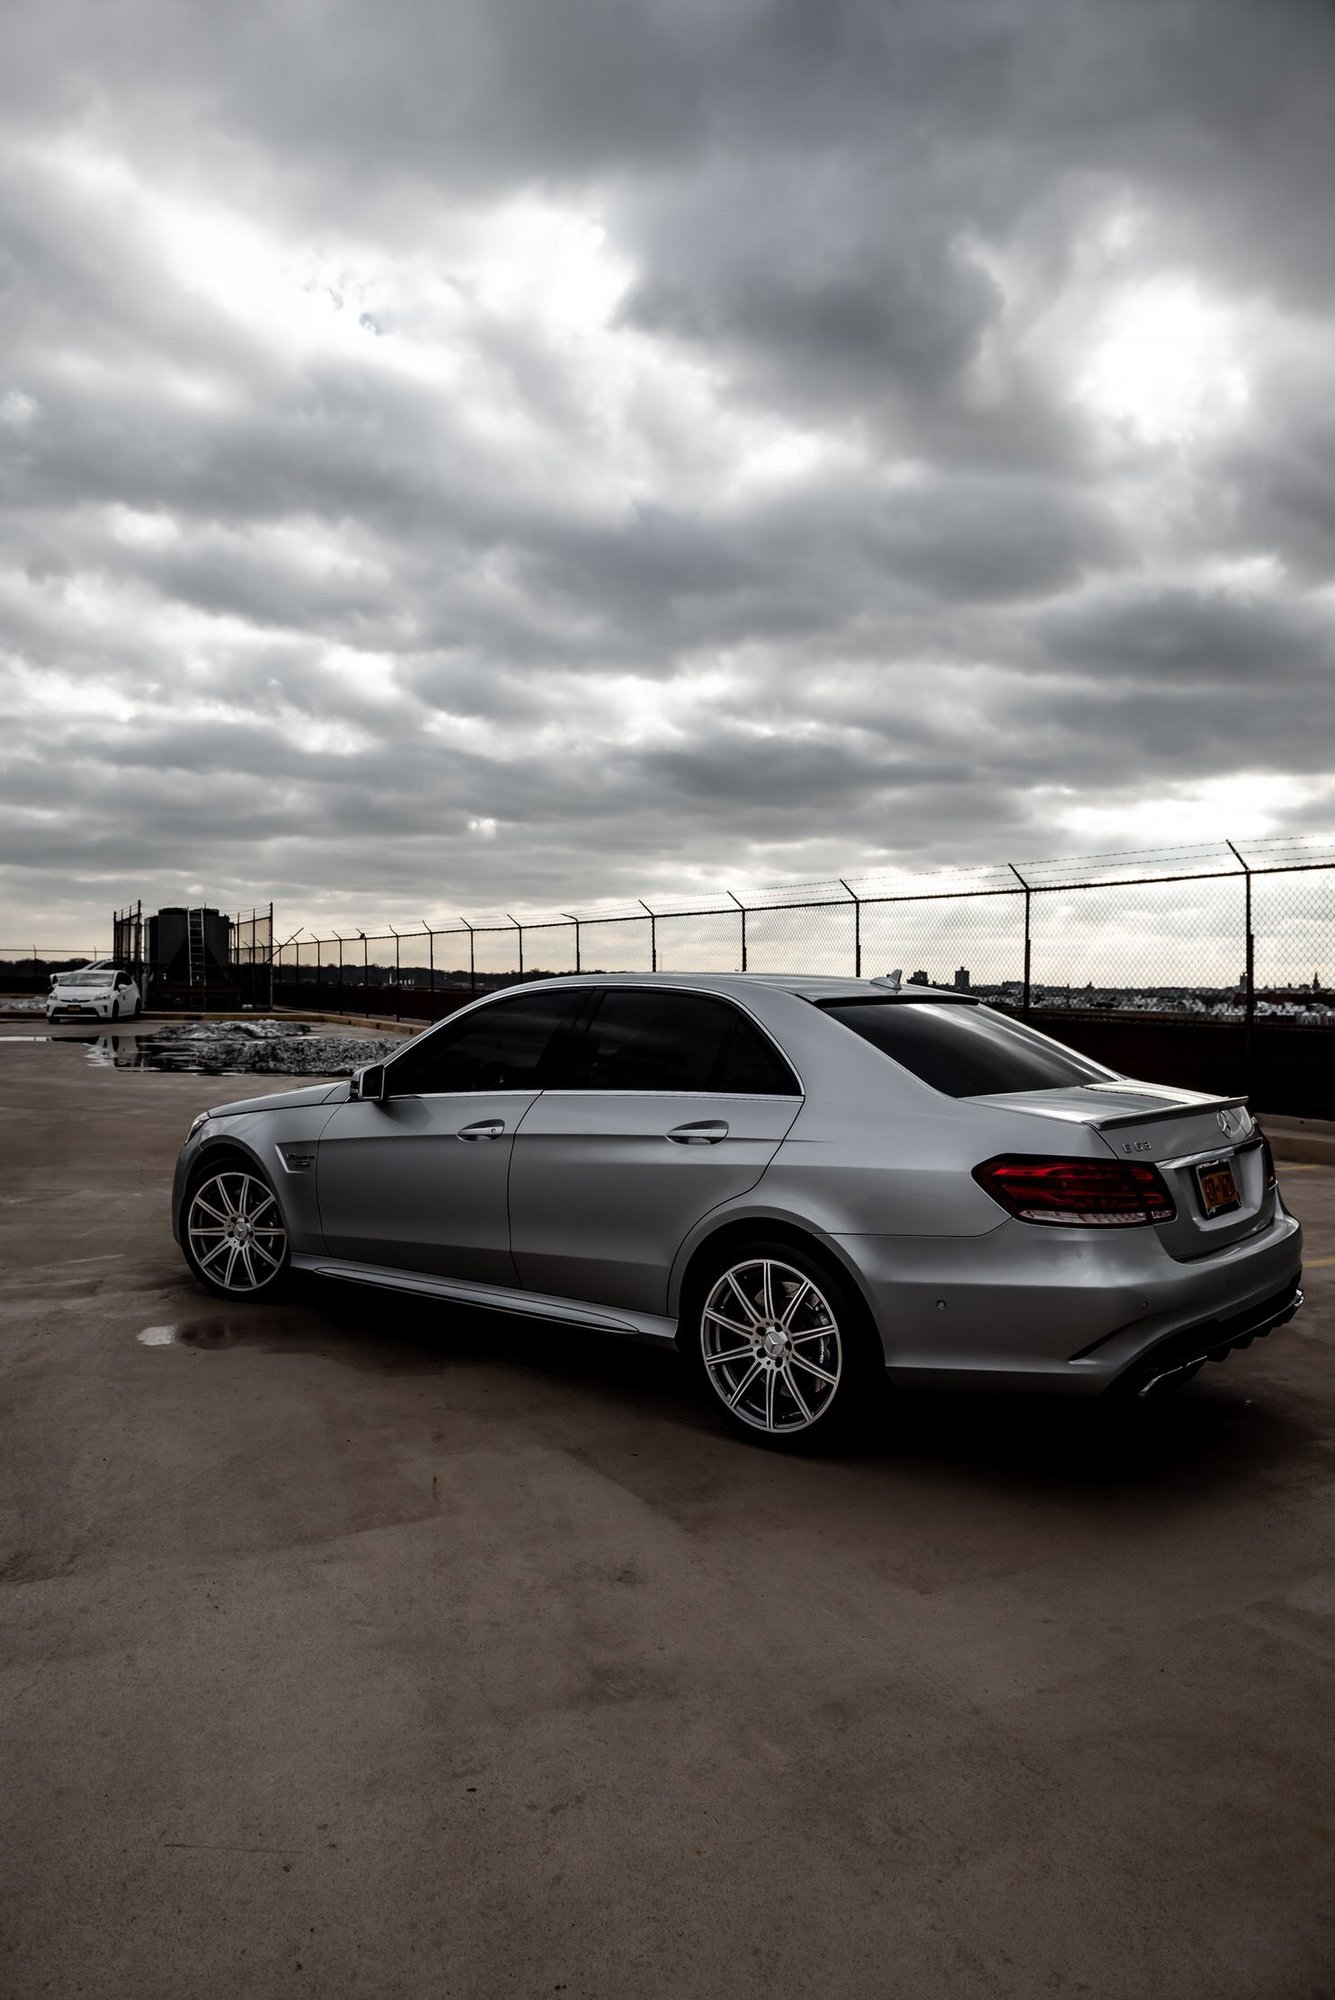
[
  {"x": 857, "y": 930},
  {"x": 431, "y": 970},
  {"x": 742, "y": 907},
  {"x": 1249, "y": 976},
  {"x": 520, "y": 928},
  {"x": 341, "y": 942},
  {"x": 472, "y": 956},
  {"x": 653, "y": 933},
  {"x": 396, "y": 972},
  {"x": 575, "y": 921},
  {"x": 1028, "y": 936}
]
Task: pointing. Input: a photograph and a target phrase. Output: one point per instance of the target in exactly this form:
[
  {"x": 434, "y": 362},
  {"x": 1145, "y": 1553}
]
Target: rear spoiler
[{"x": 1167, "y": 1111}]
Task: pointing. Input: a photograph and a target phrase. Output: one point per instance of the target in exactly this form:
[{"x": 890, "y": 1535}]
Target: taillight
[
  {"x": 1268, "y": 1162},
  {"x": 1077, "y": 1194}
]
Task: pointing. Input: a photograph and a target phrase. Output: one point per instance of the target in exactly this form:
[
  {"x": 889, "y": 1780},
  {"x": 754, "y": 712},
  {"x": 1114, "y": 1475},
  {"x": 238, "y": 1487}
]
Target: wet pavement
[{"x": 361, "y": 1647}]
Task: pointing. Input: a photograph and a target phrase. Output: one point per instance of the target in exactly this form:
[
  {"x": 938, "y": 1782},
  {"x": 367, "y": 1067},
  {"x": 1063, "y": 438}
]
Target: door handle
[
  {"x": 485, "y": 1128},
  {"x": 706, "y": 1132}
]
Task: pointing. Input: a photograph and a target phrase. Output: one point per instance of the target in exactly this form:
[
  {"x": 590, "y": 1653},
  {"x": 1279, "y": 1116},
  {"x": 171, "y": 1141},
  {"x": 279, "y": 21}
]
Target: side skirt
[{"x": 496, "y": 1298}]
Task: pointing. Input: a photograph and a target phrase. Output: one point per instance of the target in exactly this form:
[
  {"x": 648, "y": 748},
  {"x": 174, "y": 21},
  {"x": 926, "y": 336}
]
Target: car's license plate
[{"x": 1219, "y": 1190}]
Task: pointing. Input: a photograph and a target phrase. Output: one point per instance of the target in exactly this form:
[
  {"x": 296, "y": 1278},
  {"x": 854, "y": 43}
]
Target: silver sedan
[{"x": 812, "y": 1186}]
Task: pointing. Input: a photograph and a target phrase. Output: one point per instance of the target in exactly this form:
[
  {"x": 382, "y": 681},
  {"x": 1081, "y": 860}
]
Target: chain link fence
[
  {"x": 1234, "y": 939},
  {"x": 1120, "y": 954},
  {"x": 26, "y": 969},
  {"x": 1187, "y": 930}
]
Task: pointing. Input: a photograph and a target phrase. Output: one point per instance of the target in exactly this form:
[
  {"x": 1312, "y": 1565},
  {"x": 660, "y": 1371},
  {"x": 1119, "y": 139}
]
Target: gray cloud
[{"x": 742, "y": 439}]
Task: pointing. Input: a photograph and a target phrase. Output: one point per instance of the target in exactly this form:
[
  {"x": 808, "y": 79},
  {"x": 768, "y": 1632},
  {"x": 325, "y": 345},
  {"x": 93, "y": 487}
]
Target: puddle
[
  {"x": 199, "y": 1333},
  {"x": 234, "y": 1048}
]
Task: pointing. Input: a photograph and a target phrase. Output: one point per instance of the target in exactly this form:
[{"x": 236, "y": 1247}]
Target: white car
[{"x": 93, "y": 993}]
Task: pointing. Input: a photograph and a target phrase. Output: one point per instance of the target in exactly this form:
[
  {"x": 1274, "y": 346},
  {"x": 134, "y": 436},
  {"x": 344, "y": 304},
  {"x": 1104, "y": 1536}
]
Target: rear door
[
  {"x": 677, "y": 1102},
  {"x": 418, "y": 1181}
]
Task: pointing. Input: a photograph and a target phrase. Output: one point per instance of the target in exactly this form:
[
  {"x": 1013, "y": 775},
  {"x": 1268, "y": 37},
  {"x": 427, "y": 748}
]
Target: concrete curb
[{"x": 1309, "y": 1141}]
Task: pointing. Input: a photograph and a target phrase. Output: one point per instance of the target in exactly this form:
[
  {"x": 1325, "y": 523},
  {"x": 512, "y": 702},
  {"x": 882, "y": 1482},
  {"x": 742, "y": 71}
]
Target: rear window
[{"x": 963, "y": 1051}]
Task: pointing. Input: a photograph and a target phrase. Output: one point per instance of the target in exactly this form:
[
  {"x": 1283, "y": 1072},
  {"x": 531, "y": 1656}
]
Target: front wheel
[
  {"x": 115, "y": 1010},
  {"x": 233, "y": 1233},
  {"x": 785, "y": 1347}
]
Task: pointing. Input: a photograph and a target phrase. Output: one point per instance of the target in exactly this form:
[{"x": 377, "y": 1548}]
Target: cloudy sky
[{"x": 461, "y": 453}]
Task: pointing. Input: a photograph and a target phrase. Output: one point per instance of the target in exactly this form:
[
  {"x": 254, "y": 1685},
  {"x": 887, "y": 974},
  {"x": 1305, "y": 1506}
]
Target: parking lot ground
[{"x": 365, "y": 1649}]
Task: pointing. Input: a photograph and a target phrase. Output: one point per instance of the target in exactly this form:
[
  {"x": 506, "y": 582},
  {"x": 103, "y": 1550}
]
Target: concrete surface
[{"x": 367, "y": 1650}]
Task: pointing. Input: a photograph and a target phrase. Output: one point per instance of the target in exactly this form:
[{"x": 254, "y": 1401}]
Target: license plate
[{"x": 1219, "y": 1190}]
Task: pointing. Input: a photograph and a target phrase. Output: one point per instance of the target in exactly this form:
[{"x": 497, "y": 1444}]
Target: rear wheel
[
  {"x": 784, "y": 1346},
  {"x": 233, "y": 1232}
]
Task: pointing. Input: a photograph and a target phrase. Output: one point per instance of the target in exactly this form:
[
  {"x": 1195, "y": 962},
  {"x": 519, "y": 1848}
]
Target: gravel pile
[
  {"x": 259, "y": 1030},
  {"x": 318, "y": 1055}
]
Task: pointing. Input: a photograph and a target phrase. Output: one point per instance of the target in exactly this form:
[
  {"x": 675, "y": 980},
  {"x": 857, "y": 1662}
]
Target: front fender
[{"x": 282, "y": 1147}]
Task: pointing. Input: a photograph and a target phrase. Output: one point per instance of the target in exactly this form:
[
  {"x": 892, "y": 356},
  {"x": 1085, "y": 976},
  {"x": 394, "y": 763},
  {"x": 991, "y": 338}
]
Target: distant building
[
  {"x": 919, "y": 979},
  {"x": 962, "y": 979}
]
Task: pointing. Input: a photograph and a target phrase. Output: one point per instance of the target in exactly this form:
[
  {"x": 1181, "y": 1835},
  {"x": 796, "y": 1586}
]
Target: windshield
[
  {"x": 89, "y": 979},
  {"x": 964, "y": 1051}
]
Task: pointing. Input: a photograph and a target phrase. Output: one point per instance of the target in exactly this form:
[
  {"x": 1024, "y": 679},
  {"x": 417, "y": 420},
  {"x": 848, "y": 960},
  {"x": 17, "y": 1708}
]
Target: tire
[
  {"x": 115, "y": 1010},
  {"x": 785, "y": 1348},
  {"x": 233, "y": 1233}
]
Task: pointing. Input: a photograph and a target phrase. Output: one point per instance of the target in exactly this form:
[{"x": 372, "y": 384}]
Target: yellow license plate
[{"x": 1219, "y": 1190}]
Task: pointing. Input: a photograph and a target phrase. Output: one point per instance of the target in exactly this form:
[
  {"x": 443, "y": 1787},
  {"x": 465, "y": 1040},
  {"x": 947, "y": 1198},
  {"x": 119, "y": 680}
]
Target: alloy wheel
[
  {"x": 235, "y": 1232},
  {"x": 771, "y": 1346}
]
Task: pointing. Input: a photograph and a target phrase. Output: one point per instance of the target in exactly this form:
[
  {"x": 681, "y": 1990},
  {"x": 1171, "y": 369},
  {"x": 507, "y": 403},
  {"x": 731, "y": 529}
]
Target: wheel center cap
[{"x": 775, "y": 1342}]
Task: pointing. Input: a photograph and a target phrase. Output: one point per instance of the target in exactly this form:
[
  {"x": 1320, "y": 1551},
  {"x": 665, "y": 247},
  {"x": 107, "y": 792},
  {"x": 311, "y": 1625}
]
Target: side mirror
[{"x": 368, "y": 1085}]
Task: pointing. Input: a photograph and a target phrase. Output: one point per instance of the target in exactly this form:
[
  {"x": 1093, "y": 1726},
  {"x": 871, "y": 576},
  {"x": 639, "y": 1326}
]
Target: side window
[
  {"x": 642, "y": 1039},
  {"x": 753, "y": 1067},
  {"x": 507, "y": 1045}
]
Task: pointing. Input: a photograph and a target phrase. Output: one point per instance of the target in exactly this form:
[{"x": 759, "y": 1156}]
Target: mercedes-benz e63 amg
[{"x": 810, "y": 1185}]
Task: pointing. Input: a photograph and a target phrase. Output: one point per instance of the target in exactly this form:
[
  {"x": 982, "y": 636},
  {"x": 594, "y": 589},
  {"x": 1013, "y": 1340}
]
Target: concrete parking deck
[{"x": 367, "y": 1650}]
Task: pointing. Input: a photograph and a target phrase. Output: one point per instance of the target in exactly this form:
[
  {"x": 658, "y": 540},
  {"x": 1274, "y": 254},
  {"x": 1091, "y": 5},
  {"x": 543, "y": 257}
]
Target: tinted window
[
  {"x": 963, "y": 1051},
  {"x": 504, "y": 1046},
  {"x": 640, "y": 1039},
  {"x": 751, "y": 1066}
]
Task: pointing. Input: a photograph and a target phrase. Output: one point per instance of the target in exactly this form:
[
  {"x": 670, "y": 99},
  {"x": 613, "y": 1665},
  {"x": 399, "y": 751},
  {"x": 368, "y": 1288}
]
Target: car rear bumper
[
  {"x": 1175, "y": 1360},
  {"x": 1025, "y": 1308}
]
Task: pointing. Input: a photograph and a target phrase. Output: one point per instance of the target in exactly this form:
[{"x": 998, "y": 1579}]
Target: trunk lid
[{"x": 1179, "y": 1131}]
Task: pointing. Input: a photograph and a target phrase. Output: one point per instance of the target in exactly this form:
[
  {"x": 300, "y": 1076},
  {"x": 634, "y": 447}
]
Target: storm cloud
[{"x": 480, "y": 453}]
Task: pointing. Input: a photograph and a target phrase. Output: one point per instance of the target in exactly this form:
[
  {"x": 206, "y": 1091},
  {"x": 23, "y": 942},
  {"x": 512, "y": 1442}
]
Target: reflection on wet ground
[
  {"x": 232, "y": 1048},
  {"x": 155, "y": 1052}
]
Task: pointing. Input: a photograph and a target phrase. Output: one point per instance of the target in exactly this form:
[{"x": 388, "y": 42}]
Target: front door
[
  {"x": 417, "y": 1182},
  {"x": 680, "y": 1103}
]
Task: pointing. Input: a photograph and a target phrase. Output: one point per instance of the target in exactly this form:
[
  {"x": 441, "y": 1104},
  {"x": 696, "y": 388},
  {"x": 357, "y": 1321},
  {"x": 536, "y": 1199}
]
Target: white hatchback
[{"x": 93, "y": 993}]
